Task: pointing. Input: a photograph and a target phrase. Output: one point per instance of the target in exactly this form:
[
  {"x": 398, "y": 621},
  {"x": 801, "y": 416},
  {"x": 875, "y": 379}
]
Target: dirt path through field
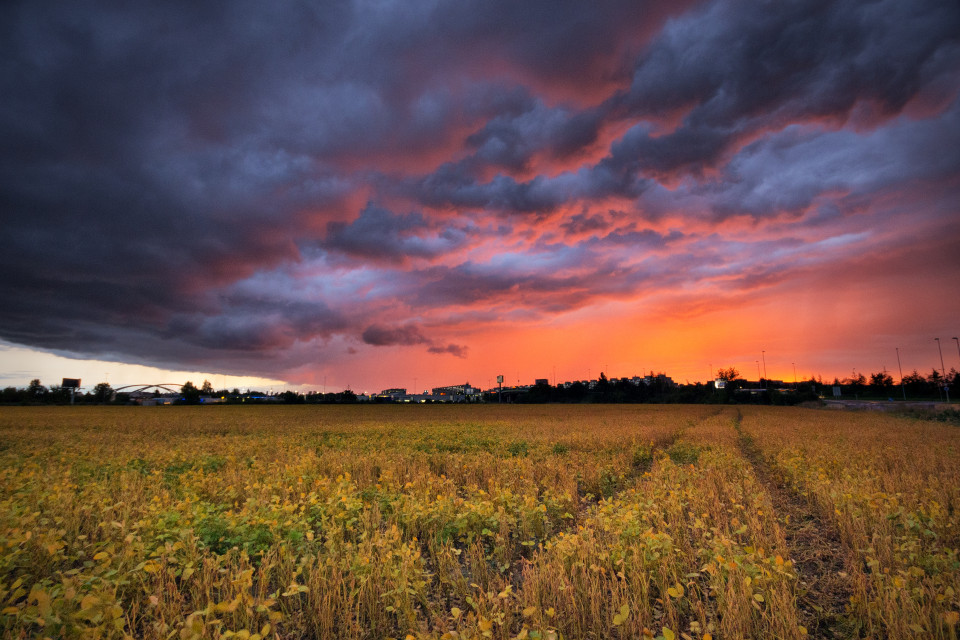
[{"x": 815, "y": 548}]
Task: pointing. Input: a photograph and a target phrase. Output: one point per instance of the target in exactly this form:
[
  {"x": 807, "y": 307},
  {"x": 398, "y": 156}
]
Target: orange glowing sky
[{"x": 386, "y": 196}]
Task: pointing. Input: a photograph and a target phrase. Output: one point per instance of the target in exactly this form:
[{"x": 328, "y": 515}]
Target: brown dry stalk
[{"x": 824, "y": 566}]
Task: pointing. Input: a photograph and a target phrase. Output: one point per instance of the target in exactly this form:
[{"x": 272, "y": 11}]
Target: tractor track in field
[{"x": 816, "y": 549}]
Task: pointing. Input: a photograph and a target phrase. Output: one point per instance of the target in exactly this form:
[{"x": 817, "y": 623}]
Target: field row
[{"x": 472, "y": 522}]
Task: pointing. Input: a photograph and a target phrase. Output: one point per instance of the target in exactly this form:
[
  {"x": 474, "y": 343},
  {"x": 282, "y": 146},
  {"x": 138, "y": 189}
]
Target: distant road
[{"x": 886, "y": 405}]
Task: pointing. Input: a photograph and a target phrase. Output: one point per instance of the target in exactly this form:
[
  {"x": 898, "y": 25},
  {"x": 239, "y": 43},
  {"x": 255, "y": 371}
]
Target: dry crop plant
[
  {"x": 891, "y": 486},
  {"x": 423, "y": 522}
]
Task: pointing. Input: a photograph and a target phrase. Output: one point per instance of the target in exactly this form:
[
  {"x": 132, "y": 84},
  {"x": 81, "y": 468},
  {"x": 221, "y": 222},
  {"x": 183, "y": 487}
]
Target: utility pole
[
  {"x": 900, "y": 367},
  {"x": 763, "y": 354},
  {"x": 795, "y": 385},
  {"x": 958, "y": 345},
  {"x": 943, "y": 370}
]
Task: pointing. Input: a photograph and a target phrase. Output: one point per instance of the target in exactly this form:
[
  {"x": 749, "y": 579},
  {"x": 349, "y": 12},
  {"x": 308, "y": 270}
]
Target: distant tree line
[
  {"x": 736, "y": 390},
  {"x": 933, "y": 386},
  {"x": 660, "y": 391},
  {"x": 36, "y": 393}
]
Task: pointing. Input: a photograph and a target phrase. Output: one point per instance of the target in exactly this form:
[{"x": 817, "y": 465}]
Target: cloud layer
[{"x": 291, "y": 190}]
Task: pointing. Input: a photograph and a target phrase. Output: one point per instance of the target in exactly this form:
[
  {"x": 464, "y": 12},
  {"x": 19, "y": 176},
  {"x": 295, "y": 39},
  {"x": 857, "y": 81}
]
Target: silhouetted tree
[
  {"x": 292, "y": 397},
  {"x": 730, "y": 374},
  {"x": 857, "y": 383},
  {"x": 915, "y": 384},
  {"x": 35, "y": 390},
  {"x": 189, "y": 394},
  {"x": 881, "y": 383},
  {"x": 206, "y": 389},
  {"x": 103, "y": 392}
]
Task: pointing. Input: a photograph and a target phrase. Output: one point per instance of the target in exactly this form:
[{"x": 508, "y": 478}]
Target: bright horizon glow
[{"x": 21, "y": 365}]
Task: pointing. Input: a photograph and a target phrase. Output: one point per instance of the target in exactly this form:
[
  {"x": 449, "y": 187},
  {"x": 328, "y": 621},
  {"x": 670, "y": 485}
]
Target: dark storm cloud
[
  {"x": 585, "y": 223},
  {"x": 736, "y": 68},
  {"x": 186, "y": 182},
  {"x": 734, "y": 72},
  {"x": 510, "y": 140},
  {"x": 379, "y": 234},
  {"x": 408, "y": 335},
  {"x": 381, "y": 336},
  {"x": 457, "y": 350},
  {"x": 512, "y": 289}
]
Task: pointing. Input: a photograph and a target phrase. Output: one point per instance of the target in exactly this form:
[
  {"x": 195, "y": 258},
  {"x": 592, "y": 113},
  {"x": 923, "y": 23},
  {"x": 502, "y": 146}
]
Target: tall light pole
[
  {"x": 899, "y": 366},
  {"x": 763, "y": 354},
  {"x": 958, "y": 345},
  {"x": 794, "y": 374},
  {"x": 759, "y": 376},
  {"x": 943, "y": 371}
]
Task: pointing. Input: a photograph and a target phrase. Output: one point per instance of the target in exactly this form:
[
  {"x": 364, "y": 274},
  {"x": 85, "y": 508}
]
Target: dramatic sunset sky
[{"x": 371, "y": 193}]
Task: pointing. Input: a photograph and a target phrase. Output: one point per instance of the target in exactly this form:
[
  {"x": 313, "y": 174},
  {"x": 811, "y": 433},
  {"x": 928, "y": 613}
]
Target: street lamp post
[
  {"x": 899, "y": 366},
  {"x": 943, "y": 370},
  {"x": 759, "y": 375},
  {"x": 763, "y": 354},
  {"x": 795, "y": 385}
]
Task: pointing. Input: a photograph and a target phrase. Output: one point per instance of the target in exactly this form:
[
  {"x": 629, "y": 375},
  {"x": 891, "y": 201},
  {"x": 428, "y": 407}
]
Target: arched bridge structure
[{"x": 169, "y": 387}]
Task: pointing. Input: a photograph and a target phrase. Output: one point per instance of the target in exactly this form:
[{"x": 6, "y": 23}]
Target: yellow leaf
[
  {"x": 707, "y": 636},
  {"x": 952, "y": 618},
  {"x": 779, "y": 560},
  {"x": 485, "y": 625},
  {"x": 89, "y": 601},
  {"x": 10, "y": 611},
  {"x": 529, "y": 611},
  {"x": 101, "y": 556},
  {"x": 668, "y": 634},
  {"x": 42, "y": 598},
  {"x": 758, "y": 597}
]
